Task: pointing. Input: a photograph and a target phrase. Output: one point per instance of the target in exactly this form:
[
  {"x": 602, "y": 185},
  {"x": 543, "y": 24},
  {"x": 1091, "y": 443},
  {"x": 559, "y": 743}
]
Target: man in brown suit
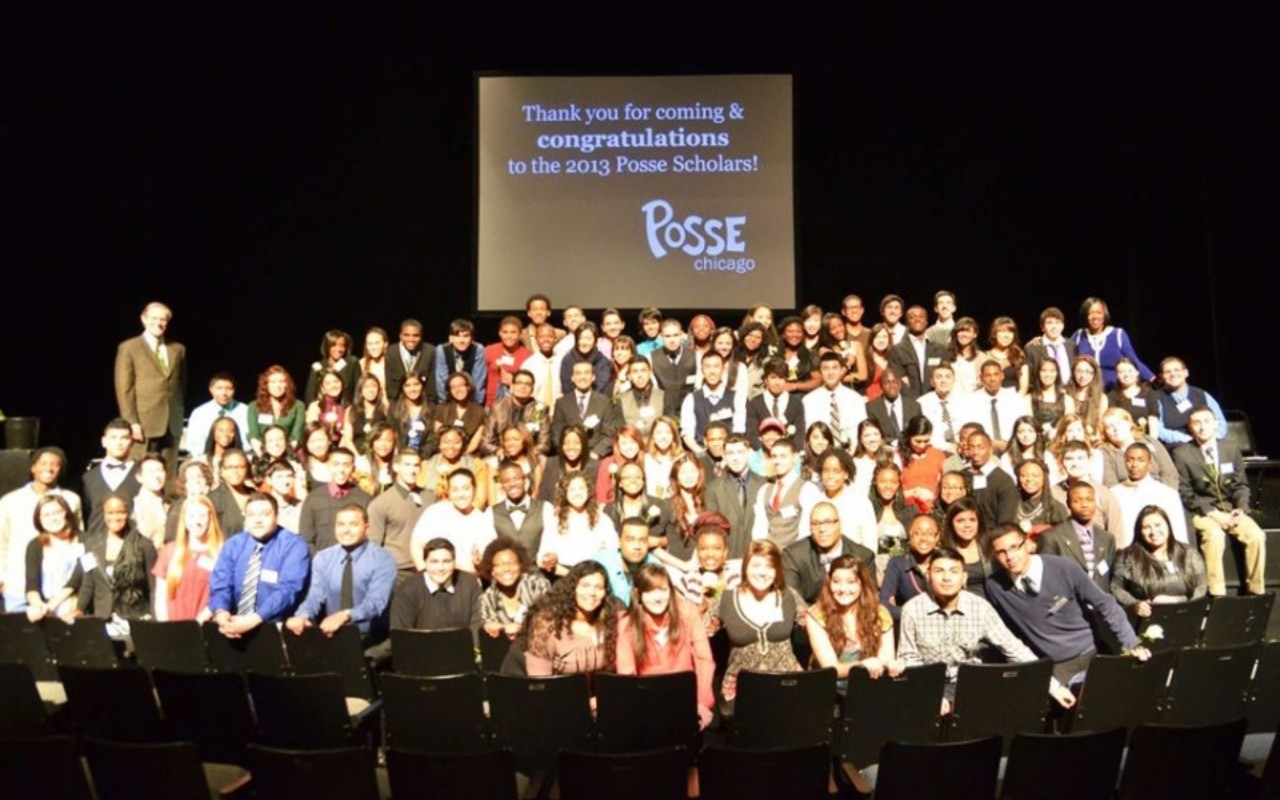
[{"x": 150, "y": 378}]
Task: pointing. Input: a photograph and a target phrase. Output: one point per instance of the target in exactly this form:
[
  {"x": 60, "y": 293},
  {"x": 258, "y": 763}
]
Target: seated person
[
  {"x": 625, "y": 562},
  {"x": 1156, "y": 568},
  {"x": 848, "y": 627},
  {"x": 907, "y": 575},
  {"x": 444, "y": 597},
  {"x": 573, "y": 627},
  {"x": 515, "y": 583}
]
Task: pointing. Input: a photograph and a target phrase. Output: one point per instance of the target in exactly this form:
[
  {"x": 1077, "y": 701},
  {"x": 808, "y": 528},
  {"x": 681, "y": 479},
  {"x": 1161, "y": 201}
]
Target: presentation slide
[{"x": 672, "y": 191}]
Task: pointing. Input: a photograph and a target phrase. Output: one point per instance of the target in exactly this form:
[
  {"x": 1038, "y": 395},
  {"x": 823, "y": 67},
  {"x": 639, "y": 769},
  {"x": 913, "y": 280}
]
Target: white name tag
[
  {"x": 339, "y": 364},
  {"x": 265, "y": 419},
  {"x": 646, "y": 412},
  {"x": 1102, "y": 568},
  {"x": 506, "y": 361},
  {"x": 591, "y": 421},
  {"x": 205, "y": 563},
  {"x": 979, "y": 482},
  {"x": 269, "y": 576},
  {"x": 724, "y": 413},
  {"x": 788, "y": 512},
  {"x": 692, "y": 380},
  {"x": 1184, "y": 406},
  {"x": 88, "y": 562},
  {"x": 1139, "y": 402},
  {"x": 933, "y": 362},
  {"x": 1228, "y": 468}
]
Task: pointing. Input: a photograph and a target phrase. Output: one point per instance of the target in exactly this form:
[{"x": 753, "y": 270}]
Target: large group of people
[{"x": 816, "y": 491}]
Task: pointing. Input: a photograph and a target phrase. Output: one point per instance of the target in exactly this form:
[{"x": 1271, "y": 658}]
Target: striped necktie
[{"x": 249, "y": 587}]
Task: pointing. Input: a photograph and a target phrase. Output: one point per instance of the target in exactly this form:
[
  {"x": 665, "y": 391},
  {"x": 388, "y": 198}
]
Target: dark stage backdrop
[{"x": 276, "y": 174}]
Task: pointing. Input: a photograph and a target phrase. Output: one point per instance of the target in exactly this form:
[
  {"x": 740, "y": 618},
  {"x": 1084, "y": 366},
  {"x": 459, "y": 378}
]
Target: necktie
[
  {"x": 1210, "y": 457},
  {"x": 582, "y": 405},
  {"x": 995, "y": 420},
  {"x": 777, "y": 414},
  {"x": 410, "y": 361},
  {"x": 249, "y": 586},
  {"x": 836, "y": 428},
  {"x": 776, "y": 503},
  {"x": 742, "y": 489},
  {"x": 895, "y": 427},
  {"x": 162, "y": 357},
  {"x": 949, "y": 432},
  {"x": 346, "y": 594},
  {"x": 1029, "y": 585}
]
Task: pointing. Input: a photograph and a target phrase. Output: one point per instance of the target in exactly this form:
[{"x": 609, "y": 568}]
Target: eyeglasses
[{"x": 1006, "y": 552}]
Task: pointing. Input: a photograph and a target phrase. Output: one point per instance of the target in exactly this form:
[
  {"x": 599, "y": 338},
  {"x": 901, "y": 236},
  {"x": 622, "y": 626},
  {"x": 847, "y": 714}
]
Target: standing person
[
  {"x": 411, "y": 356},
  {"x": 631, "y": 555},
  {"x": 996, "y": 405},
  {"x": 1141, "y": 490},
  {"x": 584, "y": 405},
  {"x": 675, "y": 367},
  {"x": 114, "y": 472},
  {"x": 320, "y": 509},
  {"x": 917, "y": 355},
  {"x": 993, "y": 489},
  {"x": 712, "y": 401},
  {"x": 573, "y": 527},
  {"x": 260, "y": 574},
  {"x": 150, "y": 380},
  {"x": 777, "y": 508},
  {"x": 276, "y": 404},
  {"x": 1080, "y": 538},
  {"x": 519, "y": 408},
  {"x": 461, "y": 355},
  {"x": 1214, "y": 491},
  {"x": 1177, "y": 399},
  {"x": 222, "y": 403},
  {"x": 1106, "y": 344},
  {"x": 840, "y": 407},
  {"x": 519, "y": 515},
  {"x": 907, "y": 575},
  {"x": 891, "y": 307},
  {"x": 183, "y": 566},
  {"x": 335, "y": 356},
  {"x": 17, "y": 526},
  {"x": 373, "y": 357},
  {"x": 1051, "y": 345},
  {"x": 538, "y": 309},
  {"x": 947, "y": 409},
  {"x": 733, "y": 494},
  {"x": 457, "y": 519},
  {"x": 117, "y": 568},
  {"x": 642, "y": 402},
  {"x": 944, "y": 306},
  {"x": 807, "y": 561},
  {"x": 775, "y": 402},
  {"x": 544, "y": 364},
  {"x": 394, "y": 513},
  {"x": 503, "y": 359},
  {"x": 1135, "y": 397},
  {"x": 892, "y": 409}
]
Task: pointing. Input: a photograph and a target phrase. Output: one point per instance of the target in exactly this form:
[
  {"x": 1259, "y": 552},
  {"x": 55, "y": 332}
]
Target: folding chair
[
  {"x": 1237, "y": 620},
  {"x": 260, "y": 650},
  {"x": 22, "y": 642},
  {"x": 429, "y": 653},
  {"x": 796, "y": 773},
  {"x": 115, "y": 704},
  {"x": 1181, "y": 624},
  {"x": 1052, "y": 767},
  {"x": 645, "y": 712},
  {"x": 786, "y": 709},
  {"x": 1209, "y": 686},
  {"x": 538, "y": 717},
  {"x": 174, "y": 646},
  {"x": 960, "y": 770},
  {"x": 486, "y": 775},
  {"x": 23, "y": 713},
  {"x": 1263, "y": 704},
  {"x": 343, "y": 654},
  {"x": 436, "y": 715},
  {"x": 126, "y": 771},
  {"x": 493, "y": 651},
  {"x": 306, "y": 712},
  {"x": 45, "y": 768},
  {"x": 901, "y": 709},
  {"x": 1182, "y": 761},
  {"x": 1002, "y": 699},
  {"x": 624, "y": 776},
  {"x": 331, "y": 774},
  {"x": 1256, "y": 464},
  {"x": 1122, "y": 692},
  {"x": 209, "y": 709},
  {"x": 83, "y": 643}
]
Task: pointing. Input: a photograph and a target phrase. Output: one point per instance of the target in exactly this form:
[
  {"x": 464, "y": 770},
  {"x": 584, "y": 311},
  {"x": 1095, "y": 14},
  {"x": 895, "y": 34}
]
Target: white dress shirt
[{"x": 853, "y": 410}]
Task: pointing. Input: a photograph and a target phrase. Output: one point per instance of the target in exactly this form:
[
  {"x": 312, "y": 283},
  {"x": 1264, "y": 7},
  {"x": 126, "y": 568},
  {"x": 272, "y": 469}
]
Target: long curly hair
[
  {"x": 264, "y": 396},
  {"x": 558, "y": 607},
  {"x": 866, "y": 608},
  {"x": 561, "y": 501}
]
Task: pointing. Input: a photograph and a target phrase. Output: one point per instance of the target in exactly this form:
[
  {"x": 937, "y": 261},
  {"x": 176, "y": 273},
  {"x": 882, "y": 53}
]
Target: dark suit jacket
[
  {"x": 998, "y": 501},
  {"x": 425, "y": 368},
  {"x": 599, "y": 406},
  {"x": 1194, "y": 485},
  {"x": 878, "y": 410},
  {"x": 529, "y": 533},
  {"x": 1037, "y": 353},
  {"x": 501, "y": 414},
  {"x": 722, "y": 496},
  {"x": 665, "y": 524},
  {"x": 1062, "y": 540},
  {"x": 804, "y": 570},
  {"x": 673, "y": 380},
  {"x": 759, "y": 409},
  {"x": 147, "y": 395},
  {"x": 902, "y": 357}
]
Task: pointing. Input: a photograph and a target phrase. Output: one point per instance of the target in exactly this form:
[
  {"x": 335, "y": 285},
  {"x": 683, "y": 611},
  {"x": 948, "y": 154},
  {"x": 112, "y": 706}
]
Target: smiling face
[
  {"x": 1030, "y": 478},
  {"x": 1096, "y": 317},
  {"x": 924, "y": 536},
  {"x": 633, "y": 543},
  {"x": 375, "y": 345},
  {"x": 115, "y": 515},
  {"x": 1083, "y": 373},
  {"x": 46, "y": 469},
  {"x": 506, "y": 568},
  {"x": 350, "y": 528},
  {"x": 461, "y": 492},
  {"x": 760, "y": 573},
  {"x": 576, "y": 493},
  {"x": 1155, "y": 532},
  {"x": 964, "y": 526},
  {"x": 440, "y": 565},
  {"x": 589, "y": 593},
  {"x": 824, "y": 526},
  {"x": 845, "y": 587},
  {"x": 951, "y": 488},
  {"x": 196, "y": 518}
]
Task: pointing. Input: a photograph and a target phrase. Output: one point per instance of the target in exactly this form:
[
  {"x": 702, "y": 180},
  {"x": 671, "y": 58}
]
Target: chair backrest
[
  {"x": 901, "y": 709},
  {"x": 210, "y": 709},
  {"x": 22, "y": 642},
  {"x": 1263, "y": 705},
  {"x": 260, "y": 650},
  {"x": 487, "y": 775},
  {"x": 1237, "y": 620},
  {"x": 436, "y": 715},
  {"x": 1053, "y": 767},
  {"x": 970, "y": 768},
  {"x": 796, "y": 773},
  {"x": 493, "y": 651},
  {"x": 1182, "y": 761},
  {"x": 1209, "y": 685},
  {"x": 1003, "y": 699},
  {"x": 122, "y": 771},
  {"x": 784, "y": 709},
  {"x": 428, "y": 653},
  {"x": 624, "y": 776},
  {"x": 300, "y": 711},
  {"x": 174, "y": 646},
  {"x": 46, "y": 768},
  {"x": 343, "y": 653},
  {"x": 1181, "y": 624},
  {"x": 1240, "y": 431},
  {"x": 1122, "y": 692},
  {"x": 328, "y": 774},
  {"x": 83, "y": 643},
  {"x": 538, "y": 717},
  {"x": 23, "y": 713},
  {"x": 640, "y": 712},
  {"x": 115, "y": 704}
]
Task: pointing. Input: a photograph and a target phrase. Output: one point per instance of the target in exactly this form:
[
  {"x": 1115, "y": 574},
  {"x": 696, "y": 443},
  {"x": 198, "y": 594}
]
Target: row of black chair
[{"x": 1208, "y": 622}]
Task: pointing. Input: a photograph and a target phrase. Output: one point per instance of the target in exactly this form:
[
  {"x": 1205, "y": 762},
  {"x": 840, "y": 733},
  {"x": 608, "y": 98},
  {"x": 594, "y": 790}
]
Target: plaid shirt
[{"x": 931, "y": 635}]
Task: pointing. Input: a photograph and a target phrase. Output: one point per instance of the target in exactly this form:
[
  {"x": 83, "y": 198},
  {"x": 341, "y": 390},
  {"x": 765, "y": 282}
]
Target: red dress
[
  {"x": 192, "y": 592},
  {"x": 924, "y": 471}
]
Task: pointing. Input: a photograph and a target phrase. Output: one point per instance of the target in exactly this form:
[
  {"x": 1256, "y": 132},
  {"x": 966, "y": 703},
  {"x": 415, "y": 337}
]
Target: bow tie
[{"x": 115, "y": 466}]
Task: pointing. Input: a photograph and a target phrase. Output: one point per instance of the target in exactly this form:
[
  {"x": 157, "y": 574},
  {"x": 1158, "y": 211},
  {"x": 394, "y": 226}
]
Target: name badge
[
  {"x": 591, "y": 421},
  {"x": 692, "y": 380},
  {"x": 506, "y": 361},
  {"x": 1102, "y": 568},
  {"x": 724, "y": 413},
  {"x": 88, "y": 562},
  {"x": 1138, "y": 402},
  {"x": 417, "y": 425},
  {"x": 269, "y": 576},
  {"x": 1228, "y": 468},
  {"x": 933, "y": 362},
  {"x": 339, "y": 364},
  {"x": 774, "y": 615},
  {"x": 1184, "y": 406},
  {"x": 266, "y": 419},
  {"x": 205, "y": 563},
  {"x": 646, "y": 412},
  {"x": 979, "y": 482},
  {"x": 788, "y": 513}
]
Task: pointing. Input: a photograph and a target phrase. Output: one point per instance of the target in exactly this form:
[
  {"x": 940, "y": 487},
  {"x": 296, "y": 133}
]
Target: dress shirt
[
  {"x": 1133, "y": 497},
  {"x": 932, "y": 636},
  {"x": 373, "y": 573},
  {"x": 1009, "y": 406},
  {"x": 201, "y": 420},
  {"x": 857, "y": 516},
  {"x": 959, "y": 406},
  {"x": 286, "y": 562},
  {"x": 420, "y": 604},
  {"x": 737, "y": 420},
  {"x": 853, "y": 410},
  {"x": 1176, "y": 436},
  {"x": 467, "y": 532}
]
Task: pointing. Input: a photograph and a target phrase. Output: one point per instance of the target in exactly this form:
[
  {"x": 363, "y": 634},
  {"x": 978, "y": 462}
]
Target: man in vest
[
  {"x": 1178, "y": 399},
  {"x": 713, "y": 401},
  {"x": 777, "y": 511}
]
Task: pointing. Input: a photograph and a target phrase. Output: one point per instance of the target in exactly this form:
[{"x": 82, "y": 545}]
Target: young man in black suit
[
  {"x": 586, "y": 407},
  {"x": 411, "y": 356}
]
